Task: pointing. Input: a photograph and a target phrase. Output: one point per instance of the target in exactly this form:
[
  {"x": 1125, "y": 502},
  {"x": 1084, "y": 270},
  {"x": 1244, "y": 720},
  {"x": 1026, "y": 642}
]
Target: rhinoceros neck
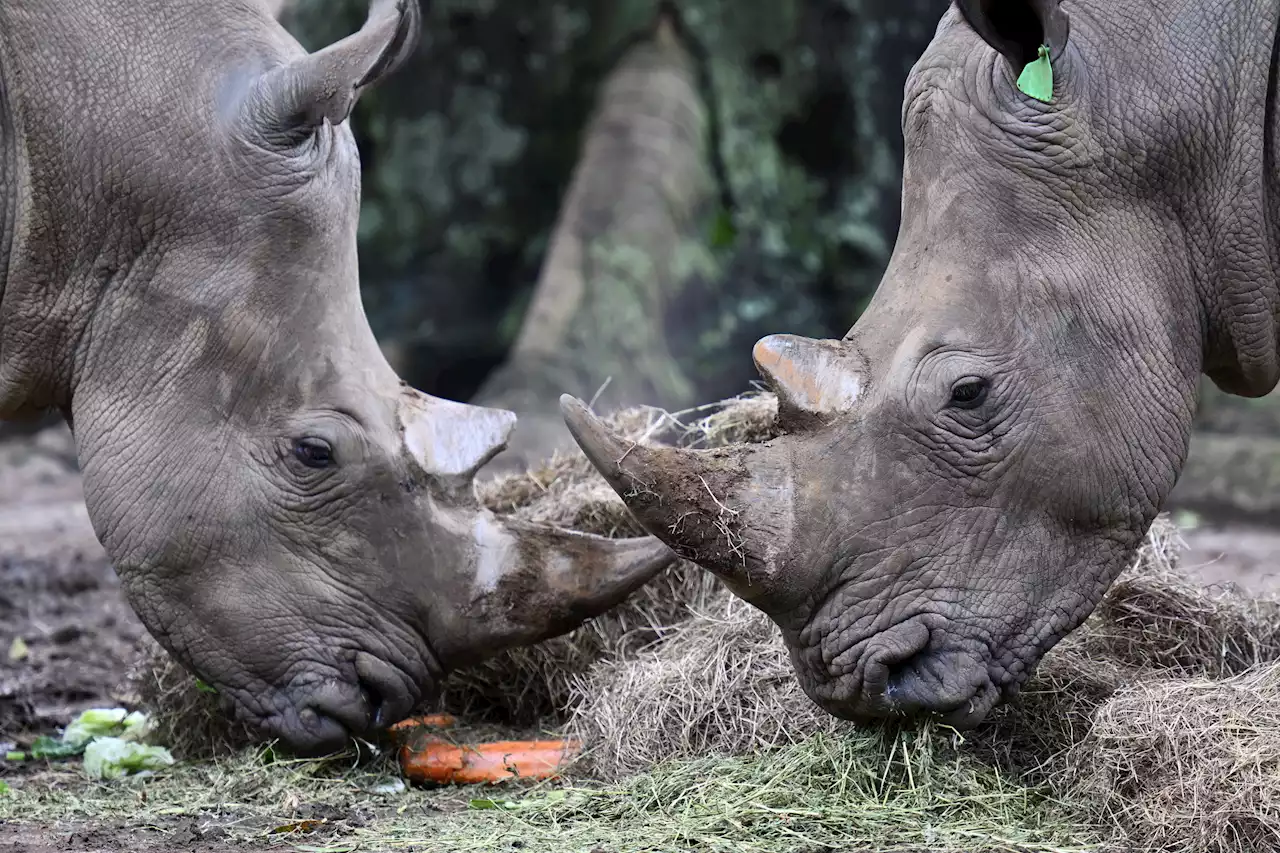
[
  {"x": 109, "y": 102},
  {"x": 15, "y": 389},
  {"x": 1243, "y": 350}
]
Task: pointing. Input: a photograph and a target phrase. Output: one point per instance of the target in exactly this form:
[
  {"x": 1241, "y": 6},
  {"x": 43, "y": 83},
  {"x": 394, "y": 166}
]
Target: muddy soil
[
  {"x": 66, "y": 635},
  {"x": 105, "y": 839},
  {"x": 1235, "y": 553}
]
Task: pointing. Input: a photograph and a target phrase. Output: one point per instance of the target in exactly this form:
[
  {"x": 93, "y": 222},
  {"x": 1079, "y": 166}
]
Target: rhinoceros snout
[
  {"x": 900, "y": 673},
  {"x": 324, "y": 716},
  {"x": 320, "y": 716},
  {"x": 950, "y": 686},
  {"x": 317, "y": 734},
  {"x": 389, "y": 695}
]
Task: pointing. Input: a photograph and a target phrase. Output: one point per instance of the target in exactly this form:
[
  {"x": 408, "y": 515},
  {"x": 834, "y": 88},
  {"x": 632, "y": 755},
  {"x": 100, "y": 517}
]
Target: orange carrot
[
  {"x": 446, "y": 763},
  {"x": 430, "y": 721}
]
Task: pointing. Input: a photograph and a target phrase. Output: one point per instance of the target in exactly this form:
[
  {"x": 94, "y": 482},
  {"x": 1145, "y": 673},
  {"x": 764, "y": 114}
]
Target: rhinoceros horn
[
  {"x": 507, "y": 582},
  {"x": 732, "y": 510}
]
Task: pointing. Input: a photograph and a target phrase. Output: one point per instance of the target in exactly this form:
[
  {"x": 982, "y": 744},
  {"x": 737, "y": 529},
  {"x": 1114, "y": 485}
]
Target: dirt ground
[
  {"x": 67, "y": 639},
  {"x": 106, "y": 840},
  {"x": 58, "y": 595}
]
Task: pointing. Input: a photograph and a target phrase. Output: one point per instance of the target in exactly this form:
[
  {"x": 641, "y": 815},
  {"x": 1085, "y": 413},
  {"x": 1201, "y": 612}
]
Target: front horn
[
  {"x": 730, "y": 510},
  {"x": 530, "y": 583}
]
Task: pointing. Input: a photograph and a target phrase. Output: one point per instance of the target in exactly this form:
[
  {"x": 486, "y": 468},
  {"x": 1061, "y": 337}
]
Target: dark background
[{"x": 469, "y": 148}]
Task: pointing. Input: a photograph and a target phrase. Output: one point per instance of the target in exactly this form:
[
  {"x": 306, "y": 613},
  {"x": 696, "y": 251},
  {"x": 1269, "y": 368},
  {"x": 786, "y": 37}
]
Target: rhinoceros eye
[
  {"x": 969, "y": 393},
  {"x": 313, "y": 452}
]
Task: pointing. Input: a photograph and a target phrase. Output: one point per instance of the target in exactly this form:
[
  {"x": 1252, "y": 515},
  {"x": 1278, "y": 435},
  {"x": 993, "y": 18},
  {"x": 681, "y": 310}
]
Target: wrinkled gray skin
[
  {"x": 178, "y": 202},
  {"x": 963, "y": 475}
]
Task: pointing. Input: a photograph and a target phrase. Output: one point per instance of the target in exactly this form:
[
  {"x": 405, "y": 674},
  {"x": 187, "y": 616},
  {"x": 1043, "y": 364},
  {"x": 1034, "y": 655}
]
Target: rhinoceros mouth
[
  {"x": 376, "y": 699},
  {"x": 903, "y": 672},
  {"x": 316, "y": 715}
]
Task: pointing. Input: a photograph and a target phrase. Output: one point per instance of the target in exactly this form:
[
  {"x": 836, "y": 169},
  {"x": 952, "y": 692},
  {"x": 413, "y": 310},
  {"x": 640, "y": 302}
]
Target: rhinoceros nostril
[
  {"x": 952, "y": 684},
  {"x": 316, "y": 733},
  {"x": 905, "y": 690},
  {"x": 335, "y": 702},
  {"x": 891, "y": 656},
  {"x": 390, "y": 699},
  {"x": 374, "y": 702}
]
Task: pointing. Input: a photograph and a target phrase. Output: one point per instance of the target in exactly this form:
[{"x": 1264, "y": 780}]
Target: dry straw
[
  {"x": 527, "y": 685},
  {"x": 722, "y": 682},
  {"x": 1187, "y": 765}
]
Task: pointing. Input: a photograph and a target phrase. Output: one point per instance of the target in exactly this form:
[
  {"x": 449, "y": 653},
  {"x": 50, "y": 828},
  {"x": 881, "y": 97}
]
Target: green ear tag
[{"x": 1037, "y": 78}]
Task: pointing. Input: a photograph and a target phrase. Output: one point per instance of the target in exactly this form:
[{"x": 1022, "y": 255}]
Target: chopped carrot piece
[
  {"x": 500, "y": 761},
  {"x": 430, "y": 721}
]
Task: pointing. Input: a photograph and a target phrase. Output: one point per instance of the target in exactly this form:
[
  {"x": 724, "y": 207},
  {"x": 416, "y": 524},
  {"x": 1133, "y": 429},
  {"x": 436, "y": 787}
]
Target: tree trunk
[{"x": 625, "y": 243}]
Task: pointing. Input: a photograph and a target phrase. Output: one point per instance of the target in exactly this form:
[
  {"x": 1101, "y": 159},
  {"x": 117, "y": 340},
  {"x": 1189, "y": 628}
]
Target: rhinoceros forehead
[{"x": 929, "y": 335}]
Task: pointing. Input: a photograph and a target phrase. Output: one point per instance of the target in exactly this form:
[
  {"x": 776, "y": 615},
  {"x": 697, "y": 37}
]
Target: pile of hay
[
  {"x": 1186, "y": 764},
  {"x": 1157, "y": 721},
  {"x": 719, "y": 684},
  {"x": 722, "y": 682}
]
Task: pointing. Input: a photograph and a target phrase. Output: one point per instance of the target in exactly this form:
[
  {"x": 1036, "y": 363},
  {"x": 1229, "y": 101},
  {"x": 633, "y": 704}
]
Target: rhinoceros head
[
  {"x": 959, "y": 479},
  {"x": 289, "y": 519}
]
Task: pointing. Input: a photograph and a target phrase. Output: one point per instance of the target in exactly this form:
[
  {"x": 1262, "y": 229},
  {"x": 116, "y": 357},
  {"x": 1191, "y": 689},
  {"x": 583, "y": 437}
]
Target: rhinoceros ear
[
  {"x": 1017, "y": 28},
  {"x": 288, "y": 103}
]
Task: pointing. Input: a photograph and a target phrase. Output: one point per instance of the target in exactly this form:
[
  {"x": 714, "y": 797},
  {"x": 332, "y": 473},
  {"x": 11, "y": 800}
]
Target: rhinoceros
[
  {"x": 179, "y": 193},
  {"x": 961, "y": 477}
]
